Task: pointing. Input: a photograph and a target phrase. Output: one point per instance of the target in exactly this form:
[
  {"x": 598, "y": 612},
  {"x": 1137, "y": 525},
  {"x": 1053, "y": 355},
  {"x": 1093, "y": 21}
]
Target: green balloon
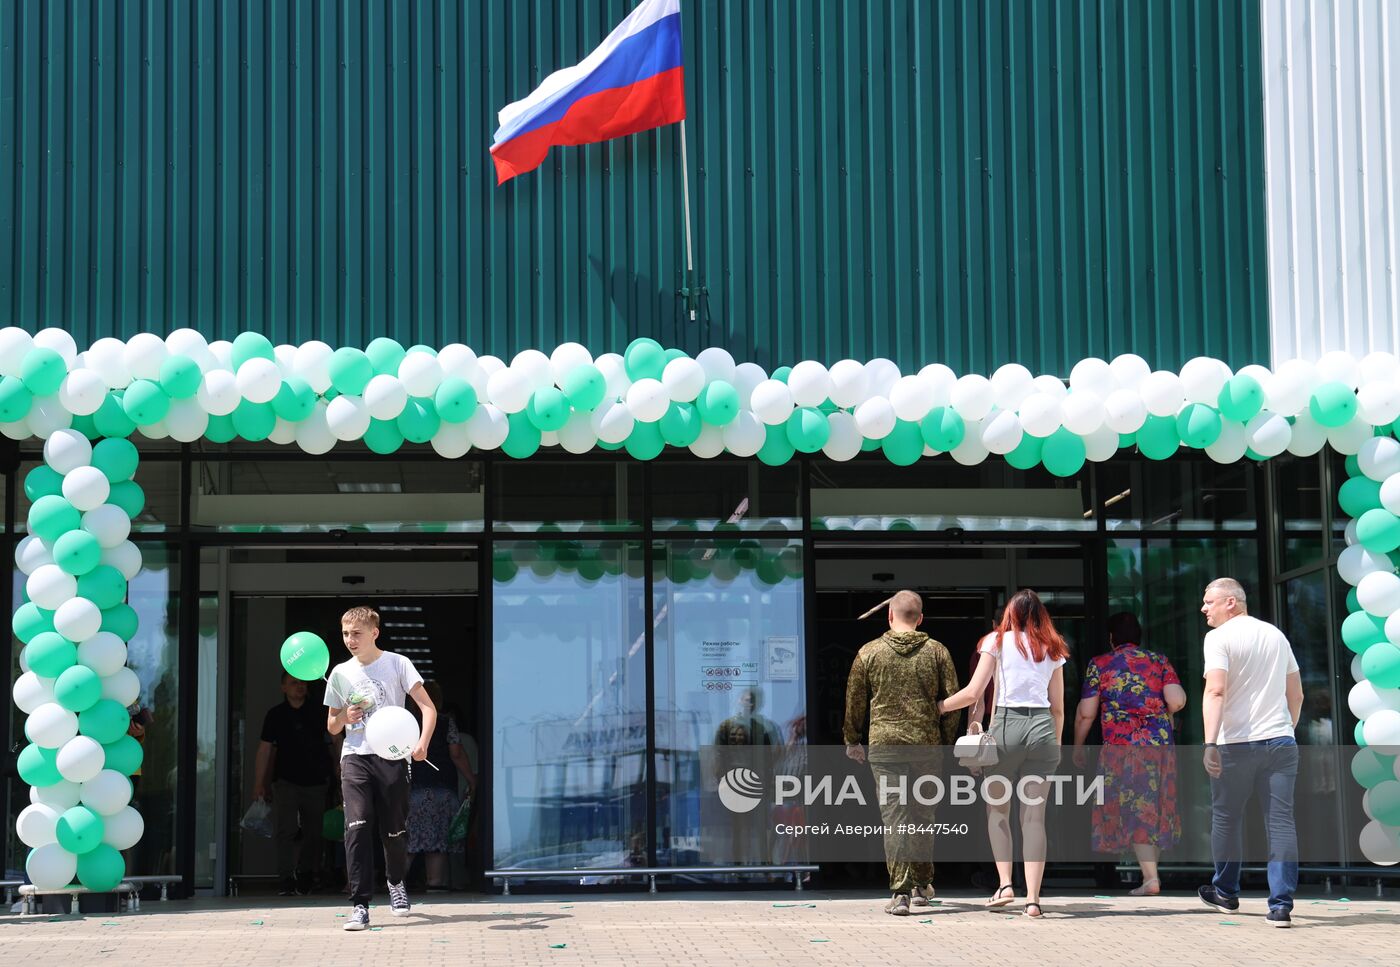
[
  {"x": 121, "y": 620},
  {"x": 220, "y": 429},
  {"x": 86, "y": 425},
  {"x": 1353, "y": 602},
  {"x": 782, "y": 373},
  {"x": 1378, "y": 530},
  {"x": 78, "y": 688},
  {"x": 904, "y": 445},
  {"x": 250, "y": 345},
  {"x": 117, "y": 459},
  {"x": 104, "y": 586},
  {"x": 1198, "y": 426},
  {"x": 384, "y": 355},
  {"x": 944, "y": 429},
  {"x": 42, "y": 371},
  {"x": 295, "y": 400},
  {"x": 808, "y": 430},
  {"x": 1381, "y": 664},
  {"x": 644, "y": 358},
  {"x": 111, "y": 419},
  {"x": 77, "y": 552},
  {"x": 42, "y": 481},
  {"x": 548, "y": 409},
  {"x": 180, "y": 377},
  {"x": 304, "y": 655},
  {"x": 1358, "y": 495},
  {"x": 350, "y": 370},
  {"x": 129, "y": 496},
  {"x": 124, "y": 755},
  {"x": 419, "y": 420},
  {"x": 1158, "y": 439},
  {"x": 1358, "y": 736},
  {"x": 31, "y": 620},
  {"x": 681, "y": 424},
  {"x": 51, "y": 517},
  {"x": 383, "y": 436},
  {"x": 333, "y": 825},
  {"x": 145, "y": 402},
  {"x": 1333, "y": 404},
  {"x": 1385, "y": 802},
  {"x": 523, "y": 438},
  {"x": 105, "y": 722},
  {"x": 1370, "y": 768},
  {"x": 39, "y": 767},
  {"x": 645, "y": 442},
  {"x": 777, "y": 449},
  {"x": 79, "y": 830},
  {"x": 15, "y": 399},
  {"x": 1241, "y": 398},
  {"x": 718, "y": 403},
  {"x": 1027, "y": 453},
  {"x": 675, "y": 354},
  {"x": 101, "y": 869},
  {"x": 419, "y": 347},
  {"x": 1361, "y": 630},
  {"x": 455, "y": 400},
  {"x": 1063, "y": 453},
  {"x": 254, "y": 421}
]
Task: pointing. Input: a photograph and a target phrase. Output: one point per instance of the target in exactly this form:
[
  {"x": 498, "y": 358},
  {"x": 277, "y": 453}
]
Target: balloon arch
[{"x": 74, "y": 622}]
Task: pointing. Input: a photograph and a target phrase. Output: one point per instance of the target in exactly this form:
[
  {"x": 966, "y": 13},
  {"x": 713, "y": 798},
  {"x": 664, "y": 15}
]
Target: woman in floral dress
[{"x": 1133, "y": 693}]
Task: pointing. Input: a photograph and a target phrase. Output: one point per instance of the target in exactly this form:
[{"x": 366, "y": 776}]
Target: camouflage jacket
[{"x": 891, "y": 694}]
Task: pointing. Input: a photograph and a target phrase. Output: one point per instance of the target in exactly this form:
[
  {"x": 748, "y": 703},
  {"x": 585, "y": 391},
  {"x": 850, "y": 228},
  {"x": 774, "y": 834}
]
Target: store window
[{"x": 544, "y": 495}]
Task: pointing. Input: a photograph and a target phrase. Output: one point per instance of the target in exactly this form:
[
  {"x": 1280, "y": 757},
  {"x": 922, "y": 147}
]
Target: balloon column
[{"x": 75, "y": 686}]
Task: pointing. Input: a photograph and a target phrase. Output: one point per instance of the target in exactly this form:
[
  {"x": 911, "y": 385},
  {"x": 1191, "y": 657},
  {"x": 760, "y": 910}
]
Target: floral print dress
[{"x": 1140, "y": 785}]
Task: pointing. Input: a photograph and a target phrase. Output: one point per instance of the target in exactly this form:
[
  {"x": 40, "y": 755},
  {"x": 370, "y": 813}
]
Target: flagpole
[{"x": 690, "y": 293}]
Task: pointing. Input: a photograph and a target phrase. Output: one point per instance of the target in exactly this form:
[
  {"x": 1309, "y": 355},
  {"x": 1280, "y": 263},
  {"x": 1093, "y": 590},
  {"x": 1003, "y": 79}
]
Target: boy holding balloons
[{"x": 373, "y": 775}]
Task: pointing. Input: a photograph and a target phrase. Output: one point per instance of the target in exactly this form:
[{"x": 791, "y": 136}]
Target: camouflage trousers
[{"x": 908, "y": 852}]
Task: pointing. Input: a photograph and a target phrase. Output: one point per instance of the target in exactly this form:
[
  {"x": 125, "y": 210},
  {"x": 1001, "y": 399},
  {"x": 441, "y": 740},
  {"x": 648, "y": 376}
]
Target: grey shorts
[{"x": 1026, "y": 742}]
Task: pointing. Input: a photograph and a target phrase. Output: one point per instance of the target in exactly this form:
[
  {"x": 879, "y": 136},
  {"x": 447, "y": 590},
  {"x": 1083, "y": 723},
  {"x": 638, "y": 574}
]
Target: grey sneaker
[
  {"x": 922, "y": 896},
  {"x": 898, "y": 905},
  {"x": 398, "y": 900},
  {"x": 358, "y": 920},
  {"x": 1212, "y": 899}
]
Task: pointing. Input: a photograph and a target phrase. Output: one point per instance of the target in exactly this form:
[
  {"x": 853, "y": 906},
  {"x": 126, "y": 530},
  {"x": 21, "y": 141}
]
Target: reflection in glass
[
  {"x": 1187, "y": 492},
  {"x": 729, "y": 671},
  {"x": 569, "y": 705},
  {"x": 540, "y": 495},
  {"x": 708, "y": 495},
  {"x": 159, "y": 483},
  {"x": 1299, "y": 489}
]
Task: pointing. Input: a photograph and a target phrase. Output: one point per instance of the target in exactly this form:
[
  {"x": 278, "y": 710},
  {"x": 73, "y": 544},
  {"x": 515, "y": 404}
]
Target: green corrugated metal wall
[{"x": 968, "y": 182}]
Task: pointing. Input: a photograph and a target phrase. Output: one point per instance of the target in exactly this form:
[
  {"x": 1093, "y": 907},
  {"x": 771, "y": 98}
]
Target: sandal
[
  {"x": 998, "y": 900},
  {"x": 1145, "y": 890},
  {"x": 1038, "y": 912}
]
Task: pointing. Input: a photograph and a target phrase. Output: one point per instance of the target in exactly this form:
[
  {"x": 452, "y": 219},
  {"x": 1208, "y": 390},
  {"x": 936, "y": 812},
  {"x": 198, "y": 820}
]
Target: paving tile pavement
[{"x": 811, "y": 929}]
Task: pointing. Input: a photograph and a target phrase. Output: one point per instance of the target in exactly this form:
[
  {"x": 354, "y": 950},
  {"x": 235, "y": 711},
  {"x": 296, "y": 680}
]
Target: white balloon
[
  {"x": 1129, "y": 370},
  {"x": 159, "y": 430},
  {"x": 911, "y": 398},
  {"x": 49, "y": 586},
  {"x": 348, "y": 417},
  {"x": 108, "y": 523},
  {"x": 1102, "y": 444},
  {"x": 488, "y": 426},
  {"x": 1339, "y": 367},
  {"x": 51, "y": 867},
  {"x": 421, "y": 373},
  {"x": 1357, "y": 674},
  {"x": 1309, "y": 436},
  {"x": 576, "y": 435},
  {"x": 973, "y": 397},
  {"x": 60, "y": 341},
  {"x": 710, "y": 443},
  {"x": 509, "y": 389},
  {"x": 939, "y": 379},
  {"x": 314, "y": 435},
  {"x": 744, "y": 435},
  {"x": 186, "y": 420},
  {"x": 67, "y": 450},
  {"x": 810, "y": 383},
  {"x": 648, "y": 400},
  {"x": 1382, "y": 728},
  {"x": 1092, "y": 375},
  {"x": 37, "y": 824},
  {"x": 1286, "y": 394},
  {"x": 122, "y": 686},
  {"x": 880, "y": 377},
  {"x": 1124, "y": 411},
  {"x": 80, "y": 759},
  {"x": 1379, "y": 367},
  {"x": 77, "y": 619},
  {"x": 258, "y": 380},
  {"x": 771, "y": 402},
  {"x": 32, "y": 554},
  {"x": 191, "y": 343},
  {"x": 970, "y": 452},
  {"x": 614, "y": 371},
  {"x": 1010, "y": 385},
  {"x": 457, "y": 360},
  {"x": 109, "y": 792},
  {"x": 1390, "y": 494},
  {"x": 848, "y": 383},
  {"x": 282, "y": 432},
  {"x": 717, "y": 363},
  {"x": 1355, "y": 562},
  {"x": 1366, "y": 699},
  {"x": 1231, "y": 445},
  {"x": 747, "y": 376},
  {"x": 1379, "y": 593},
  {"x": 392, "y": 732},
  {"x": 844, "y": 441},
  {"x": 1162, "y": 393},
  {"x": 1203, "y": 378},
  {"x": 144, "y": 354},
  {"x": 48, "y": 416},
  {"x": 535, "y": 365},
  {"x": 107, "y": 358},
  {"x": 103, "y": 652},
  {"x": 875, "y": 418},
  {"x": 1269, "y": 434},
  {"x": 1351, "y": 436},
  {"x": 60, "y": 795},
  {"x": 18, "y": 430},
  {"x": 51, "y": 725},
  {"x": 1041, "y": 414},
  {"x": 566, "y": 357},
  {"x": 124, "y": 829},
  {"x": 30, "y": 691},
  {"x": 1379, "y": 458},
  {"x": 386, "y": 396},
  {"x": 1380, "y": 843},
  {"x": 312, "y": 362},
  {"x": 1003, "y": 432},
  {"x": 1349, "y": 533},
  {"x": 218, "y": 393},
  {"x": 86, "y": 487},
  {"x": 15, "y": 344},
  {"x": 683, "y": 379},
  {"x": 612, "y": 421},
  {"x": 452, "y": 440},
  {"x": 82, "y": 392},
  {"x": 1378, "y": 403}
]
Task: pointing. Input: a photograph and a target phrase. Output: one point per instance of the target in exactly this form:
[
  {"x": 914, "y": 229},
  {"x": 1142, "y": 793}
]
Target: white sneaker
[
  {"x": 359, "y": 919},
  {"x": 398, "y": 900}
]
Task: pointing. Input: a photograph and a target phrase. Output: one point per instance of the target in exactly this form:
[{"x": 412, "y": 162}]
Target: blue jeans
[{"x": 1266, "y": 769}]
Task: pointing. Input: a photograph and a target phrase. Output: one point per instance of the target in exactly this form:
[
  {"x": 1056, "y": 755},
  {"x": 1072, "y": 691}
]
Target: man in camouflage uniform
[{"x": 892, "y": 694}]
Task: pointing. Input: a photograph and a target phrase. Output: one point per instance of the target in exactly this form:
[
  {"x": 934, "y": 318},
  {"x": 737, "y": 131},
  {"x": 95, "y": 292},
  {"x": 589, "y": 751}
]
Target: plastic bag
[
  {"x": 457, "y": 832},
  {"x": 258, "y": 819}
]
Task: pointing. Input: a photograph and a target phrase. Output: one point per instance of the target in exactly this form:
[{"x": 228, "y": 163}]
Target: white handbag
[{"x": 978, "y": 748}]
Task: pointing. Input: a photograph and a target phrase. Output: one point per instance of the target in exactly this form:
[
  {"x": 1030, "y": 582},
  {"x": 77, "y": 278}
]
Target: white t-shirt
[
  {"x": 1025, "y": 683},
  {"x": 385, "y": 681},
  {"x": 1257, "y": 660}
]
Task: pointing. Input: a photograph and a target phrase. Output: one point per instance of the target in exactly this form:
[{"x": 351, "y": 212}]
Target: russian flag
[{"x": 633, "y": 81}]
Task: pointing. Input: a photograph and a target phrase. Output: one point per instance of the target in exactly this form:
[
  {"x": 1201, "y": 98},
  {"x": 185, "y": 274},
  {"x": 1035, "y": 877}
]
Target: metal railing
[{"x": 649, "y": 872}]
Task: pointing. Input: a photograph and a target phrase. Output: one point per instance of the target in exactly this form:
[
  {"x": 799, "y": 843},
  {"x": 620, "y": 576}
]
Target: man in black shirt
[{"x": 295, "y": 761}]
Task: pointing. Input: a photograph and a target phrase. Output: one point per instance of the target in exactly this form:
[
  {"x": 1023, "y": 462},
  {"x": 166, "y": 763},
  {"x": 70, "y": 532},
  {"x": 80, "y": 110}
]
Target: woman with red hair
[{"x": 1023, "y": 656}]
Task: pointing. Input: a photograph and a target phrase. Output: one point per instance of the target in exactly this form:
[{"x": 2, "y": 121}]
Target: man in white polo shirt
[{"x": 1253, "y": 695}]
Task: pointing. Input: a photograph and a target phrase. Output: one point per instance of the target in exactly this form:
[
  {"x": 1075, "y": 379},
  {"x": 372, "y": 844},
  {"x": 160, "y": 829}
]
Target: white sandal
[{"x": 1144, "y": 891}]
